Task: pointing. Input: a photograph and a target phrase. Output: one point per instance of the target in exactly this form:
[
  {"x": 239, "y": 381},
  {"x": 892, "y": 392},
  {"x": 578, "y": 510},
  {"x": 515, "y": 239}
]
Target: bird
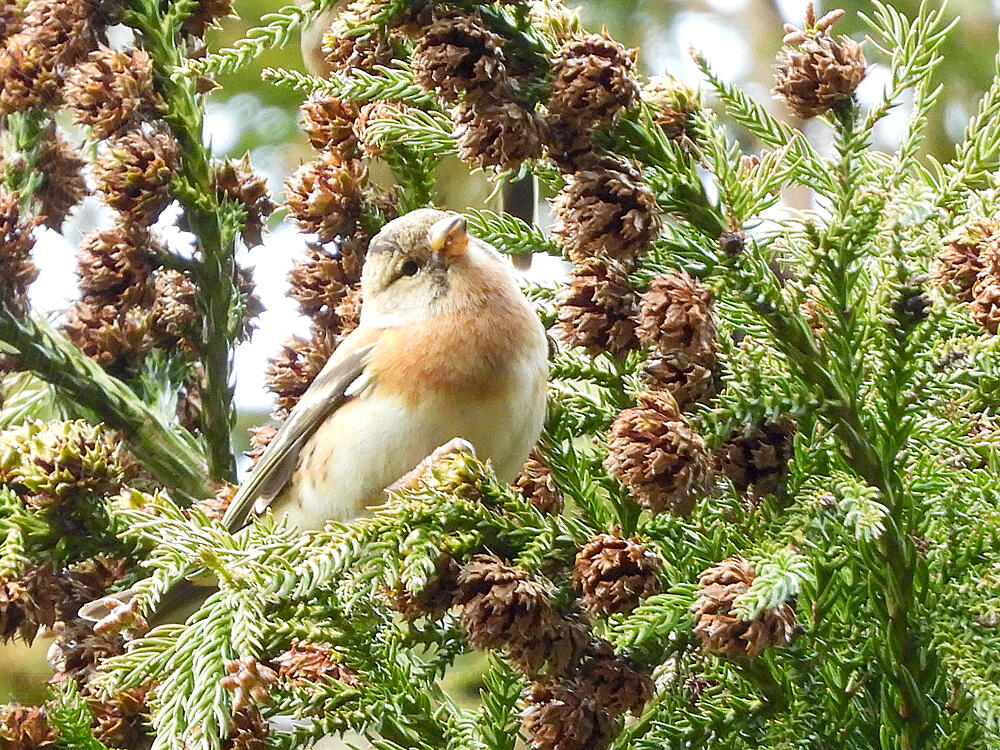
[{"x": 448, "y": 348}]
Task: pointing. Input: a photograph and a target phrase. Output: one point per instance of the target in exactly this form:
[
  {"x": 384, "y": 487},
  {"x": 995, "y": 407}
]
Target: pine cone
[
  {"x": 25, "y": 728},
  {"x": 688, "y": 380},
  {"x": 457, "y": 55},
  {"x": 593, "y": 81},
  {"x": 175, "y": 315},
  {"x": 985, "y": 305},
  {"x": 437, "y": 596},
  {"x": 321, "y": 283},
  {"x": 89, "y": 580},
  {"x": 536, "y": 485},
  {"x": 502, "y": 605},
  {"x": 10, "y": 18},
  {"x": 555, "y": 648},
  {"x": 613, "y": 574},
  {"x": 119, "y": 721},
  {"x": 77, "y": 650},
  {"x": 260, "y": 438},
  {"x": 605, "y": 210},
  {"x": 116, "y": 339},
  {"x": 568, "y": 145},
  {"x": 17, "y": 270},
  {"x": 311, "y": 662},
  {"x": 112, "y": 91},
  {"x": 115, "y": 264},
  {"x": 329, "y": 124},
  {"x": 498, "y": 133},
  {"x": 813, "y": 72},
  {"x": 344, "y": 55},
  {"x": 676, "y": 314},
  {"x": 349, "y": 312},
  {"x": 657, "y": 456},
  {"x": 29, "y": 602},
  {"x": 236, "y": 180},
  {"x": 62, "y": 186},
  {"x": 28, "y": 74},
  {"x": 672, "y": 103},
  {"x": 612, "y": 683},
  {"x": 960, "y": 261},
  {"x": 249, "y": 730},
  {"x": 134, "y": 175},
  {"x": 596, "y": 311},
  {"x": 726, "y": 634},
  {"x": 325, "y": 196},
  {"x": 291, "y": 371},
  {"x": 557, "y": 717},
  {"x": 760, "y": 458},
  {"x": 371, "y": 118}
]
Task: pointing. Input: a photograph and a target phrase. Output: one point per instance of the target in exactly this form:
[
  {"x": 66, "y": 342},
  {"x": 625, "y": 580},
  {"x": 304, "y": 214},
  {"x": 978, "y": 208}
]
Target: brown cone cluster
[
  {"x": 456, "y": 56},
  {"x": 497, "y": 132},
  {"x": 207, "y": 14},
  {"x": 557, "y": 717},
  {"x": 758, "y": 460},
  {"x": 672, "y": 103},
  {"x": 237, "y": 181},
  {"x": 249, "y": 730},
  {"x": 537, "y": 485},
  {"x": 724, "y": 633},
  {"x": 325, "y": 196},
  {"x": 605, "y": 211},
  {"x": 28, "y": 602},
  {"x": 120, "y": 721},
  {"x": 656, "y": 454},
  {"x": 17, "y": 270},
  {"x": 675, "y": 318},
  {"x": 313, "y": 662},
  {"x": 25, "y": 728},
  {"x": 249, "y": 681},
  {"x": 597, "y": 310},
  {"x": 111, "y": 91},
  {"x": 134, "y": 175},
  {"x": 613, "y": 574},
  {"x": 437, "y": 596},
  {"x": 62, "y": 186},
  {"x": 960, "y": 261},
  {"x": 813, "y": 72},
  {"x": 291, "y": 371},
  {"x": 593, "y": 80},
  {"x": 329, "y": 125}
]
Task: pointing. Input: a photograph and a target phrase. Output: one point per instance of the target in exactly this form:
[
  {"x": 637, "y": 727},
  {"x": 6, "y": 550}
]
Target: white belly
[{"x": 373, "y": 440}]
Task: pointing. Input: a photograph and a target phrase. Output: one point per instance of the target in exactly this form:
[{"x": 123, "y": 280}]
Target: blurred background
[{"x": 739, "y": 37}]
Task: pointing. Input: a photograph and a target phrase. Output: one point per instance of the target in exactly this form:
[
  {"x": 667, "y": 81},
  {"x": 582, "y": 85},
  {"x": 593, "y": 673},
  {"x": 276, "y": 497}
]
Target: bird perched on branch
[{"x": 448, "y": 348}]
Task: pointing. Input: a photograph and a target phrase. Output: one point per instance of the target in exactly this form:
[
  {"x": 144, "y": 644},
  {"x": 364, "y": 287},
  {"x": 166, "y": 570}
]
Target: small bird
[{"x": 448, "y": 347}]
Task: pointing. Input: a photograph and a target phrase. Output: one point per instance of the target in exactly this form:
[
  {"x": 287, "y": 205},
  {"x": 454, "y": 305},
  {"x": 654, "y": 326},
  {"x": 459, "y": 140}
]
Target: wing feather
[{"x": 327, "y": 392}]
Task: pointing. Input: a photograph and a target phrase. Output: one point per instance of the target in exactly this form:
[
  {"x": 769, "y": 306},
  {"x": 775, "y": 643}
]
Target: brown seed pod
[
  {"x": 676, "y": 314},
  {"x": 497, "y": 133},
  {"x": 597, "y": 310},
  {"x": 457, "y": 55},
  {"x": 593, "y": 81},
  {"x": 759, "y": 459},
  {"x": 325, "y": 196},
  {"x": 613, "y": 574},
  {"x": 134, "y": 175},
  {"x": 112, "y": 91}
]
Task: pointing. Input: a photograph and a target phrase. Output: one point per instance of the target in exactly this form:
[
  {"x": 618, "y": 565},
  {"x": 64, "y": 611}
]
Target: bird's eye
[{"x": 410, "y": 267}]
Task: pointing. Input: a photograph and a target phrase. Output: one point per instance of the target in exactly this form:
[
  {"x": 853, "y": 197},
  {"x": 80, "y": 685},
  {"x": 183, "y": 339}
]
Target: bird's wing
[{"x": 340, "y": 379}]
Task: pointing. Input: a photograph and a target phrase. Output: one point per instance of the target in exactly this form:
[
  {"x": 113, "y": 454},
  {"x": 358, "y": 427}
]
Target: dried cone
[
  {"x": 112, "y": 91},
  {"x": 502, "y": 605},
  {"x": 312, "y": 662},
  {"x": 497, "y": 133},
  {"x": 116, "y": 339},
  {"x": 689, "y": 380},
  {"x": 25, "y": 728},
  {"x": 457, "y": 55},
  {"x": 29, "y": 602},
  {"x": 726, "y": 634},
  {"x": 260, "y": 437},
  {"x": 960, "y": 261},
  {"x": 597, "y": 310},
  {"x": 249, "y": 730},
  {"x": 174, "y": 312},
  {"x": 89, "y": 580},
  {"x": 77, "y": 650},
  {"x": 676, "y": 314},
  {"x": 613, "y": 574},
  {"x": 758, "y": 460},
  {"x": 568, "y": 145},
  {"x": 207, "y": 14},
  {"x": 321, "y": 282},
  {"x": 538, "y": 487},
  {"x": 237, "y": 181},
  {"x": 17, "y": 270},
  {"x": 985, "y": 305},
  {"x": 329, "y": 125},
  {"x": 657, "y": 456},
  {"x": 62, "y": 186},
  {"x": 611, "y": 682},
  {"x": 561, "y": 644},
  {"x": 115, "y": 264},
  {"x": 349, "y": 312},
  {"x": 325, "y": 196},
  {"x": 557, "y": 717},
  {"x": 605, "y": 210},
  {"x": 372, "y": 118},
  {"x": 437, "y": 596},
  {"x": 345, "y": 55},
  {"x": 119, "y": 721},
  {"x": 593, "y": 80},
  {"x": 813, "y": 72},
  {"x": 672, "y": 103},
  {"x": 134, "y": 175},
  {"x": 291, "y": 371}
]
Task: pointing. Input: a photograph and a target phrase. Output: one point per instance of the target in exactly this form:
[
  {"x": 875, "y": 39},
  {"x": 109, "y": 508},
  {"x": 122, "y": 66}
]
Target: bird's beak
[{"x": 449, "y": 237}]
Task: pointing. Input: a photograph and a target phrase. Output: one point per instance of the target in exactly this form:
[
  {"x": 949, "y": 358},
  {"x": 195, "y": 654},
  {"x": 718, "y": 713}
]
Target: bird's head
[{"x": 420, "y": 265}]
